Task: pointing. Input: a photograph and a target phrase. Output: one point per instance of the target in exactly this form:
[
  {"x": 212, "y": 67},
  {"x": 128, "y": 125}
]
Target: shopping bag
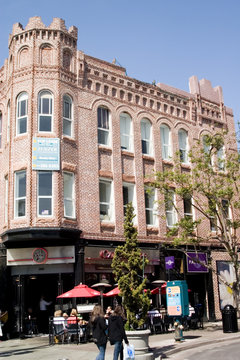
[{"x": 128, "y": 352}]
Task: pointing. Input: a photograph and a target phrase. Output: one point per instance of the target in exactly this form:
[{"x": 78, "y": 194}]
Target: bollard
[{"x": 178, "y": 331}]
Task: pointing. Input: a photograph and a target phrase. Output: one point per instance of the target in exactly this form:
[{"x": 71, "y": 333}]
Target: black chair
[
  {"x": 73, "y": 332},
  {"x": 157, "y": 325}
]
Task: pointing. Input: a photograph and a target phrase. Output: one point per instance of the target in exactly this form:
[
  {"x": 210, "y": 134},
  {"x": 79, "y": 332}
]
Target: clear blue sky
[{"x": 163, "y": 40}]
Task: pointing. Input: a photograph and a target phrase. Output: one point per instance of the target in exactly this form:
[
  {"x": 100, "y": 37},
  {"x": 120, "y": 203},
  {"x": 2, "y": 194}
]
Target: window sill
[
  {"x": 107, "y": 226},
  {"x": 20, "y": 136},
  {"x": 168, "y": 162},
  {"x": 104, "y": 148},
  {"x": 128, "y": 153},
  {"x": 68, "y": 138},
  {"x": 186, "y": 166},
  {"x": 148, "y": 157}
]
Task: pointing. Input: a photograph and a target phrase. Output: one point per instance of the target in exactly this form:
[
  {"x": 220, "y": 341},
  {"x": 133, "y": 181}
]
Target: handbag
[{"x": 128, "y": 352}]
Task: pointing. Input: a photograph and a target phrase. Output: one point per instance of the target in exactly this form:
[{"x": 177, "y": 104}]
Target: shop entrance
[{"x": 27, "y": 291}]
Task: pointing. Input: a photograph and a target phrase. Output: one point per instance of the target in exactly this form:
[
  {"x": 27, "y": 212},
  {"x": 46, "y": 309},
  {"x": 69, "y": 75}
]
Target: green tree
[
  {"x": 211, "y": 188},
  {"x": 128, "y": 268}
]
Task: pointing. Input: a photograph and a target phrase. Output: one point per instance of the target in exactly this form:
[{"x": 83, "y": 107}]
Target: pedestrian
[
  {"x": 43, "y": 315},
  {"x": 116, "y": 332},
  {"x": 99, "y": 328}
]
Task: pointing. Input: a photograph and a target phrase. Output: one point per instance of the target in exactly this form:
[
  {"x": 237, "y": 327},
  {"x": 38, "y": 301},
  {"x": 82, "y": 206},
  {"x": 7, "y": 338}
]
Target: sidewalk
[{"x": 37, "y": 348}]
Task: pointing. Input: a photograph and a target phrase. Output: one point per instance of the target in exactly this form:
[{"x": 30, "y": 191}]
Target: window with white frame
[
  {"x": 212, "y": 217},
  {"x": 146, "y": 136},
  {"x": 45, "y": 111},
  {"x": 0, "y": 129},
  {"x": 126, "y": 131},
  {"x": 165, "y": 142},
  {"x": 150, "y": 207},
  {"x": 105, "y": 199},
  {"x": 207, "y": 147},
  {"x": 170, "y": 210},
  {"x": 8, "y": 121},
  {"x": 6, "y": 199},
  {"x": 103, "y": 126},
  {"x": 221, "y": 159},
  {"x": 226, "y": 209},
  {"x": 22, "y": 113},
  {"x": 183, "y": 145},
  {"x": 20, "y": 194},
  {"x": 67, "y": 116},
  {"x": 69, "y": 195},
  {"x": 45, "y": 193},
  {"x": 187, "y": 208},
  {"x": 129, "y": 196}
]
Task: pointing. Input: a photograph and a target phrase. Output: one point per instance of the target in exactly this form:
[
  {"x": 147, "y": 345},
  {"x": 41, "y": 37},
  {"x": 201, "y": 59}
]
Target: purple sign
[
  {"x": 169, "y": 262},
  {"x": 195, "y": 266}
]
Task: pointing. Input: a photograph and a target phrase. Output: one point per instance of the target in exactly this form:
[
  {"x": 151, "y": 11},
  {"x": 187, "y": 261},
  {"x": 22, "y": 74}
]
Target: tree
[
  {"x": 128, "y": 268},
  {"x": 211, "y": 188}
]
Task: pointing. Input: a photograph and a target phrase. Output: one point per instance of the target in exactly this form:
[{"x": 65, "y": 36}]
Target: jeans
[
  {"x": 118, "y": 349},
  {"x": 102, "y": 349}
]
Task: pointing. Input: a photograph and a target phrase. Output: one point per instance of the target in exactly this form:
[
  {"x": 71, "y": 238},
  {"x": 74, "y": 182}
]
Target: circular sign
[{"x": 39, "y": 255}]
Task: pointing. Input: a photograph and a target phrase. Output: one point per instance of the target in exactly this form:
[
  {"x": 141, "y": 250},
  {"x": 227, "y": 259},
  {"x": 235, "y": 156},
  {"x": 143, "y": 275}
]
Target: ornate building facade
[{"x": 78, "y": 139}]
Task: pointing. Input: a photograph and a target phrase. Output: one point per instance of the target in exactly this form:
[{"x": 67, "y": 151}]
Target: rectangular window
[
  {"x": 226, "y": 209},
  {"x": 103, "y": 126},
  {"x": 150, "y": 207},
  {"x": 146, "y": 137},
  {"x": 20, "y": 194},
  {"x": 187, "y": 206},
  {"x": 183, "y": 145},
  {"x": 129, "y": 196},
  {"x": 69, "y": 195},
  {"x": 45, "y": 193},
  {"x": 8, "y": 121},
  {"x": 165, "y": 142},
  {"x": 67, "y": 116},
  {"x": 170, "y": 209},
  {"x": 45, "y": 111},
  {"x": 125, "y": 130},
  {"x": 22, "y": 109},
  {"x": 105, "y": 198},
  {"x": 6, "y": 200},
  {"x": 220, "y": 159}
]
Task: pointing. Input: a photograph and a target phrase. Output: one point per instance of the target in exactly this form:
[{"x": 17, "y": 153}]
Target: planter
[{"x": 139, "y": 338}]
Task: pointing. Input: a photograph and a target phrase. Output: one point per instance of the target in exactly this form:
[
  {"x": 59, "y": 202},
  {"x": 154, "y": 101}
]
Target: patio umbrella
[
  {"x": 80, "y": 290},
  {"x": 160, "y": 284},
  {"x": 113, "y": 292}
]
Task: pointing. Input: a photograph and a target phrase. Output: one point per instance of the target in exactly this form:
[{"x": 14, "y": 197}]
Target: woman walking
[
  {"x": 99, "y": 328},
  {"x": 116, "y": 332}
]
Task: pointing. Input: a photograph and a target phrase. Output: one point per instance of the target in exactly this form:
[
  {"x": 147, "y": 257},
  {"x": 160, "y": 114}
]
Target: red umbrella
[
  {"x": 80, "y": 291},
  {"x": 113, "y": 292}
]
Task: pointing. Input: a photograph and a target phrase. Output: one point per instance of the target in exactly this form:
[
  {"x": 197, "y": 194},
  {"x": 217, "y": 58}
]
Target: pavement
[{"x": 162, "y": 345}]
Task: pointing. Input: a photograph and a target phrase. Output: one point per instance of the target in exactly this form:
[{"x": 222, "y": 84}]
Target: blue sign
[{"x": 46, "y": 154}]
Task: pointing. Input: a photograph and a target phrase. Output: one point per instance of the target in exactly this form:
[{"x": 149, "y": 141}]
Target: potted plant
[{"x": 128, "y": 268}]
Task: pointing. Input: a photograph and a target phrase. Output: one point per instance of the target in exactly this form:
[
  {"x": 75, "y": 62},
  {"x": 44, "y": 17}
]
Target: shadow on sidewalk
[{"x": 20, "y": 351}]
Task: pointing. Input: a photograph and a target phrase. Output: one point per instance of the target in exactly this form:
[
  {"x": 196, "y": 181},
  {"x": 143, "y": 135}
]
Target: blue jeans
[
  {"x": 118, "y": 349},
  {"x": 102, "y": 349}
]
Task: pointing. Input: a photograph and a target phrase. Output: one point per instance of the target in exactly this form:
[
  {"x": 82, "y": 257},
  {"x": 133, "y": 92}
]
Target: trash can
[{"x": 229, "y": 319}]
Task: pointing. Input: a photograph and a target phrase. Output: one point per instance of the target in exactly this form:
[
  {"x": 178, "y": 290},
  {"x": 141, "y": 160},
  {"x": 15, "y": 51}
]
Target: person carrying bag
[{"x": 116, "y": 332}]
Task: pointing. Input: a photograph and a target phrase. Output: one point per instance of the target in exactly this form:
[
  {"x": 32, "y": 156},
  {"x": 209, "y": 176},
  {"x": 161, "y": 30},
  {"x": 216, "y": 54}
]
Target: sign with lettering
[
  {"x": 46, "y": 154},
  {"x": 196, "y": 261}
]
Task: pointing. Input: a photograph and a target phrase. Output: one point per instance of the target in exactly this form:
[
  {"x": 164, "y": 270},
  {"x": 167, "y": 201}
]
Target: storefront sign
[
  {"x": 46, "y": 154},
  {"x": 197, "y": 265},
  {"x": 47, "y": 255},
  {"x": 169, "y": 262}
]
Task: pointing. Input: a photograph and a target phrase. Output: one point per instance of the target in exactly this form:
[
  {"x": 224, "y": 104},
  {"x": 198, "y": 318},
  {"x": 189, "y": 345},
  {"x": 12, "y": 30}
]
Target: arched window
[
  {"x": 45, "y": 111},
  {"x": 46, "y": 54},
  {"x": 67, "y": 116},
  {"x": 22, "y": 111},
  {"x": 165, "y": 142},
  {"x": 146, "y": 136},
  {"x": 103, "y": 126},
  {"x": 126, "y": 132},
  {"x": 0, "y": 129},
  {"x": 183, "y": 145}
]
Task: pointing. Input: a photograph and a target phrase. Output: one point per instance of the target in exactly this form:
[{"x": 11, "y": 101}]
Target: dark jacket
[
  {"x": 116, "y": 331},
  {"x": 99, "y": 328}
]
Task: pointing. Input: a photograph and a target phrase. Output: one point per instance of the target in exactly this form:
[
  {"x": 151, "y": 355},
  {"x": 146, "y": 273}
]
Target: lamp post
[{"x": 159, "y": 283}]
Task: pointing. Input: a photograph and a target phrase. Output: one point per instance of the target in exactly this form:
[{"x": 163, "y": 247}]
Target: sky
[{"x": 163, "y": 40}]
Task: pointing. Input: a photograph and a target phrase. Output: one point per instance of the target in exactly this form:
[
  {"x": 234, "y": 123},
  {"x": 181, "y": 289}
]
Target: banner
[
  {"x": 194, "y": 266},
  {"x": 169, "y": 262}
]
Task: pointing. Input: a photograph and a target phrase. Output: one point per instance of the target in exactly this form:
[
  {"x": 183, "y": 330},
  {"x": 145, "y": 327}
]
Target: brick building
[{"x": 77, "y": 139}]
